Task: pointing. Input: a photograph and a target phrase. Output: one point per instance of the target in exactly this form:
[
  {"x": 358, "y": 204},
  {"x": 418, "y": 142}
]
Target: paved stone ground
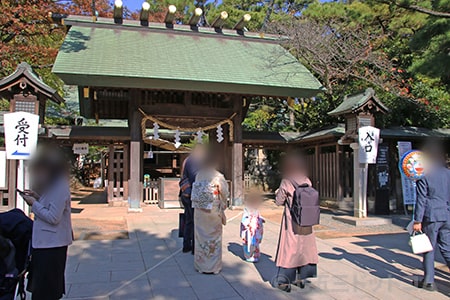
[{"x": 354, "y": 263}]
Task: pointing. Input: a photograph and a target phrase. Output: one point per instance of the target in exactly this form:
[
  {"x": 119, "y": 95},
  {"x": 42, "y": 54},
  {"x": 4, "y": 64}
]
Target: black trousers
[
  {"x": 291, "y": 275},
  {"x": 188, "y": 238},
  {"x": 46, "y": 276}
]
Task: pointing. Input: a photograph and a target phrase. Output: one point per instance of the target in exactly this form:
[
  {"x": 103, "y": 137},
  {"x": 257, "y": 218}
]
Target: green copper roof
[
  {"x": 139, "y": 57},
  {"x": 353, "y": 102}
]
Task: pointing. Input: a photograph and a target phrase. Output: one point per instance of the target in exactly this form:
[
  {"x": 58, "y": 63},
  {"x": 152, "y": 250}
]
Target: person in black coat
[
  {"x": 191, "y": 165},
  {"x": 18, "y": 228}
]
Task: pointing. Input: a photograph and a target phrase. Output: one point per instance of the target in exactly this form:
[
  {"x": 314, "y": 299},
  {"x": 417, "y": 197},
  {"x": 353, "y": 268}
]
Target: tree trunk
[{"x": 268, "y": 14}]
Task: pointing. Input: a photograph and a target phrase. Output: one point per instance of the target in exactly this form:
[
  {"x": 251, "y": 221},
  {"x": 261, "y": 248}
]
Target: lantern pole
[{"x": 94, "y": 11}]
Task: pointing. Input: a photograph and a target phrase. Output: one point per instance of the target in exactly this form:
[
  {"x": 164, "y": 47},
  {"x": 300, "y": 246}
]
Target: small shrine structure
[
  {"x": 359, "y": 110},
  {"x": 26, "y": 92}
]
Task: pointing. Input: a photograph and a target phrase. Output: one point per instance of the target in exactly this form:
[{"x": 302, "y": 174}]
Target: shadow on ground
[
  {"x": 151, "y": 266},
  {"x": 265, "y": 267},
  {"x": 385, "y": 262}
]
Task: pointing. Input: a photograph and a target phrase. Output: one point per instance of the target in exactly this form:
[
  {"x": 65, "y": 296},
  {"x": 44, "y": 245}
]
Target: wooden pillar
[
  {"x": 316, "y": 167},
  {"x": 237, "y": 195},
  {"x": 12, "y": 181},
  {"x": 225, "y": 155},
  {"x": 126, "y": 173},
  {"x": 111, "y": 173},
  {"x": 339, "y": 174},
  {"x": 135, "y": 182}
]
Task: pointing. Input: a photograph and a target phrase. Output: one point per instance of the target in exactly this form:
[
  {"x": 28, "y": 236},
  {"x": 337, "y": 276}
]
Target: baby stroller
[{"x": 15, "y": 245}]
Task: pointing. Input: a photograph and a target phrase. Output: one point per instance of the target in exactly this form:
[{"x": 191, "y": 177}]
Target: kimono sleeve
[
  {"x": 224, "y": 191},
  {"x": 282, "y": 194}
]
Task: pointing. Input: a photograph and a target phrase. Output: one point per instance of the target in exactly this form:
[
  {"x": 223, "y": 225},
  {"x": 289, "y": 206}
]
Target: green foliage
[
  {"x": 60, "y": 114},
  {"x": 193, "y": 141},
  {"x": 401, "y": 48},
  {"x": 4, "y": 105},
  {"x": 431, "y": 47},
  {"x": 267, "y": 114},
  {"x": 408, "y": 64}
]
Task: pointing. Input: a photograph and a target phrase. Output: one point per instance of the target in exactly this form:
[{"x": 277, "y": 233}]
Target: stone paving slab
[{"x": 150, "y": 265}]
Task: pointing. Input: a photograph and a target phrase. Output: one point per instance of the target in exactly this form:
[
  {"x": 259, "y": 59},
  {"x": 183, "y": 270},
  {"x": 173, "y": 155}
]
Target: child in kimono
[{"x": 252, "y": 227}]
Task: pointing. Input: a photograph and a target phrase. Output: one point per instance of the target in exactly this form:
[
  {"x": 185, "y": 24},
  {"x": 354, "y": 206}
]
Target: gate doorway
[{"x": 115, "y": 170}]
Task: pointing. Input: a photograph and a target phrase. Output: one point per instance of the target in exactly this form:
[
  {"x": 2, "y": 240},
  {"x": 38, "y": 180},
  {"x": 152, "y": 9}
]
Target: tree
[
  {"x": 420, "y": 6},
  {"x": 350, "y": 46},
  {"x": 104, "y": 8},
  {"x": 267, "y": 114},
  {"x": 337, "y": 54},
  {"x": 27, "y": 35}
]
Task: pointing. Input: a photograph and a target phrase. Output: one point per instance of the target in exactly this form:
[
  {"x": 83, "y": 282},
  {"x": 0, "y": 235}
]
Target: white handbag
[{"x": 420, "y": 243}]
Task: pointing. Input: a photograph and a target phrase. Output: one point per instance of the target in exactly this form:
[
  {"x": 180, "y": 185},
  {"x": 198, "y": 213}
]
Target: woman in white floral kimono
[{"x": 209, "y": 196}]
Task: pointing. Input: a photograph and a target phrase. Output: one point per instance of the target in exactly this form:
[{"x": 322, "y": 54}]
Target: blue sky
[{"x": 133, "y": 4}]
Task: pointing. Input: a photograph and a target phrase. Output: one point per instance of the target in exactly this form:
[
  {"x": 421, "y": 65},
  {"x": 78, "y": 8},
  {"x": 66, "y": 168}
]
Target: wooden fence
[
  {"x": 330, "y": 168},
  {"x": 151, "y": 192}
]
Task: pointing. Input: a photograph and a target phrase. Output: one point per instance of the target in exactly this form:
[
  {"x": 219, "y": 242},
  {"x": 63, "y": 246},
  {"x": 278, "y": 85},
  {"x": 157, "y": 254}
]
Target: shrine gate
[{"x": 176, "y": 76}]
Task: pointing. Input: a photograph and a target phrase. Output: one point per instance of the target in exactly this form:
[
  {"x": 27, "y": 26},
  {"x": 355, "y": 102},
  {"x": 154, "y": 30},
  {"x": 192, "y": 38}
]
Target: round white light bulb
[
  {"x": 145, "y": 6},
  {"x": 118, "y": 3},
  {"x": 247, "y": 18},
  {"x": 224, "y": 15},
  {"x": 198, "y": 11},
  {"x": 172, "y": 9}
]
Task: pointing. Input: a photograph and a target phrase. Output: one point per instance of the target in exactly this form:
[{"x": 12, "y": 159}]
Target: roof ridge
[
  {"x": 77, "y": 20},
  {"x": 25, "y": 69}
]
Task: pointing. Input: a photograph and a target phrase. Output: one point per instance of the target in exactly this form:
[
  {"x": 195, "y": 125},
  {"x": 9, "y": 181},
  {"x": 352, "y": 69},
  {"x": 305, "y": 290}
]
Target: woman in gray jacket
[{"x": 52, "y": 229}]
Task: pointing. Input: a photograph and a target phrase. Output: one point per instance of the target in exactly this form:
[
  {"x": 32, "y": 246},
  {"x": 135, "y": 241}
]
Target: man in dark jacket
[
  {"x": 432, "y": 212},
  {"x": 190, "y": 168}
]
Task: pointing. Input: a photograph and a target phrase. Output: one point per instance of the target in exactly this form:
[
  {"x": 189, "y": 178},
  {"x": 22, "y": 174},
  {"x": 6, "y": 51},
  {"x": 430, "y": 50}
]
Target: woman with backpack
[{"x": 297, "y": 255}]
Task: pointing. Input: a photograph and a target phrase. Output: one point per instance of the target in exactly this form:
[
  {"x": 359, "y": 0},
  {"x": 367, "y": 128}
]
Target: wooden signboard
[{"x": 382, "y": 192}]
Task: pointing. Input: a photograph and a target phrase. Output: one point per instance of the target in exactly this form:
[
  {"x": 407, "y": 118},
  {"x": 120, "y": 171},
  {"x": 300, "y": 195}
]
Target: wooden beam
[{"x": 186, "y": 111}]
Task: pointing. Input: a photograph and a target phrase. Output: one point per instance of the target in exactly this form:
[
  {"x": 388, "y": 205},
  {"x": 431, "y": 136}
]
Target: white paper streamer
[
  {"x": 200, "y": 137},
  {"x": 155, "y": 131},
  {"x": 177, "y": 139},
  {"x": 219, "y": 134}
]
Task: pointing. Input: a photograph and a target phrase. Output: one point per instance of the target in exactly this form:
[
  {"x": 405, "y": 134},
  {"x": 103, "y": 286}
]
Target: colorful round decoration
[{"x": 412, "y": 164}]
